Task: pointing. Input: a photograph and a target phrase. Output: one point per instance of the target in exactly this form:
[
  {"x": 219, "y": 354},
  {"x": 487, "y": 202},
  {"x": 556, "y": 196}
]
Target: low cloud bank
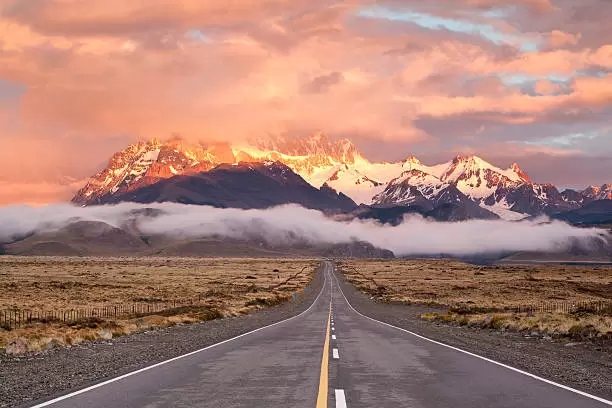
[{"x": 293, "y": 224}]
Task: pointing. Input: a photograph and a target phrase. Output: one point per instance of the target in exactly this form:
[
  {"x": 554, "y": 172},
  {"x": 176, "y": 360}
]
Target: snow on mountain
[
  {"x": 315, "y": 145},
  {"x": 238, "y": 185},
  {"x": 503, "y": 211},
  {"x": 339, "y": 165},
  {"x": 361, "y": 179},
  {"x": 477, "y": 178},
  {"x": 433, "y": 197},
  {"x": 354, "y": 184},
  {"x": 412, "y": 163},
  {"x": 598, "y": 193},
  {"x": 320, "y": 161},
  {"x": 508, "y": 193},
  {"x": 591, "y": 193},
  {"x": 605, "y": 192},
  {"x": 411, "y": 187},
  {"x": 145, "y": 163}
]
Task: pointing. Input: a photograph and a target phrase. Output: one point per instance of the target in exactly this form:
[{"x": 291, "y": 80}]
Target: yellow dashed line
[{"x": 323, "y": 381}]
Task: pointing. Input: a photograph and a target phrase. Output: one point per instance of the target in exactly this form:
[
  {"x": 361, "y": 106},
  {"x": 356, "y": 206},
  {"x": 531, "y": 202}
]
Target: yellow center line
[{"x": 323, "y": 381}]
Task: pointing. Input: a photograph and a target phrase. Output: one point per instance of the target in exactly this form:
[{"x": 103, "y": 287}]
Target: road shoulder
[
  {"x": 33, "y": 376},
  {"x": 586, "y": 367}
]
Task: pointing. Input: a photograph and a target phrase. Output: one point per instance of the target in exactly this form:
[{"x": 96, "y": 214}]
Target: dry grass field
[
  {"x": 488, "y": 296},
  {"x": 222, "y": 287}
]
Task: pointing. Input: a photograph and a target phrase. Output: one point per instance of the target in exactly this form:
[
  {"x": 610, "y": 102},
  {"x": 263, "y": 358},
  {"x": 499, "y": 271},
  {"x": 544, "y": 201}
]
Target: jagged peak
[
  {"x": 315, "y": 144},
  {"x": 472, "y": 163},
  {"x": 415, "y": 175},
  {"x": 591, "y": 189},
  {"x": 515, "y": 168},
  {"x": 462, "y": 158},
  {"x": 415, "y": 172},
  {"x": 477, "y": 178},
  {"x": 467, "y": 163},
  {"x": 174, "y": 142},
  {"x": 318, "y": 135},
  {"x": 472, "y": 160},
  {"x": 597, "y": 193},
  {"x": 412, "y": 160},
  {"x": 346, "y": 144}
]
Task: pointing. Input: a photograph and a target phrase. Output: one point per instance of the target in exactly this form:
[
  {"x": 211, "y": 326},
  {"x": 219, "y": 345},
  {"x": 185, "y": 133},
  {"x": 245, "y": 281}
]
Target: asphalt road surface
[{"x": 330, "y": 355}]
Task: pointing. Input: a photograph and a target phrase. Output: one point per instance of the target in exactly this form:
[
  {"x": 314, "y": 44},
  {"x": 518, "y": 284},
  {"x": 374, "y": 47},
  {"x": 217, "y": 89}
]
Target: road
[{"x": 330, "y": 355}]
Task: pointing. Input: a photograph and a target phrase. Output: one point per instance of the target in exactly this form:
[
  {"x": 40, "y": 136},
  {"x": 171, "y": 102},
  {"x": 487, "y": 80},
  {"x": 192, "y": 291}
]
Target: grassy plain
[
  {"x": 223, "y": 287},
  {"x": 488, "y": 296}
]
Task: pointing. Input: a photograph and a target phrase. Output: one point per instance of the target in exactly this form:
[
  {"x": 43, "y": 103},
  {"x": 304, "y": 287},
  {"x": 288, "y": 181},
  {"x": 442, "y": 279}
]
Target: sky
[{"x": 510, "y": 80}]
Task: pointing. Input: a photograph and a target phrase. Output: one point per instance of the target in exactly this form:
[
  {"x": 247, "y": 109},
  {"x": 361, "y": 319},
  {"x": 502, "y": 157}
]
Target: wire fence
[
  {"x": 599, "y": 307},
  {"x": 14, "y": 318}
]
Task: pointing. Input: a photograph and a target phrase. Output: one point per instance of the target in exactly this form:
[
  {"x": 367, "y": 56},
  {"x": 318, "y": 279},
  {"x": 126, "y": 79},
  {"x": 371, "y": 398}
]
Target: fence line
[
  {"x": 15, "y": 318},
  {"x": 566, "y": 307}
]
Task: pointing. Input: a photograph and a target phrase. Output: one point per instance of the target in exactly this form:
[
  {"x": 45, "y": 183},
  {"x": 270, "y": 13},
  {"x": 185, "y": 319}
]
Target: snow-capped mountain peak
[
  {"x": 412, "y": 161},
  {"x": 467, "y": 167},
  {"x": 598, "y": 193},
  {"x": 410, "y": 186},
  {"x": 316, "y": 145},
  {"x": 143, "y": 163},
  {"x": 477, "y": 178},
  {"x": 466, "y": 181}
]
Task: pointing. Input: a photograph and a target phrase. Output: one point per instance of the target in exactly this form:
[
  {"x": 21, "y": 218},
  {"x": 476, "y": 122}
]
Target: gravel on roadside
[
  {"x": 35, "y": 376},
  {"x": 584, "y": 366}
]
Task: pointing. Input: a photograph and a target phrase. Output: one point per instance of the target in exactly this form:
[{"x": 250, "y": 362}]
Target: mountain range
[{"x": 325, "y": 175}]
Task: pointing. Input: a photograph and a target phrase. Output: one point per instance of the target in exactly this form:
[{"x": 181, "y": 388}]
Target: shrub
[
  {"x": 493, "y": 322},
  {"x": 265, "y": 301},
  {"x": 582, "y": 332},
  {"x": 91, "y": 323}
]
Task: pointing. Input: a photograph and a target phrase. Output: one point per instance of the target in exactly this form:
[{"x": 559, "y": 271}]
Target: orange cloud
[
  {"x": 546, "y": 87},
  {"x": 558, "y": 39},
  {"x": 538, "y": 5},
  {"x": 211, "y": 70}
]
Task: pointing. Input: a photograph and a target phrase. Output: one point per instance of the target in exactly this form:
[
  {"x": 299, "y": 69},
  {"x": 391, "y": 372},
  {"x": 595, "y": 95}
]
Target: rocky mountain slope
[
  {"x": 508, "y": 193},
  {"x": 239, "y": 185},
  {"x": 463, "y": 183},
  {"x": 145, "y": 163},
  {"x": 417, "y": 189},
  {"x": 597, "y": 212}
]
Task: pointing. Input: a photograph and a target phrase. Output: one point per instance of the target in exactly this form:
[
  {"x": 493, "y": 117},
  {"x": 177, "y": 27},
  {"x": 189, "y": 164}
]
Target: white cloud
[{"x": 290, "y": 224}]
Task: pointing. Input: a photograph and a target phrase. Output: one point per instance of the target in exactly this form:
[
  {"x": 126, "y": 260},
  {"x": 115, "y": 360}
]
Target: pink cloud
[
  {"x": 538, "y": 5},
  {"x": 559, "y": 39},
  {"x": 101, "y": 70},
  {"x": 546, "y": 87}
]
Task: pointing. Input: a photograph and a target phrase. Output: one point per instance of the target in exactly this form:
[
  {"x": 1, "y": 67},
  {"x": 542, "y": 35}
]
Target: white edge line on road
[
  {"x": 340, "y": 399},
  {"x": 565, "y": 387},
  {"x": 333, "y": 337},
  {"x": 335, "y": 353},
  {"x": 121, "y": 377}
]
